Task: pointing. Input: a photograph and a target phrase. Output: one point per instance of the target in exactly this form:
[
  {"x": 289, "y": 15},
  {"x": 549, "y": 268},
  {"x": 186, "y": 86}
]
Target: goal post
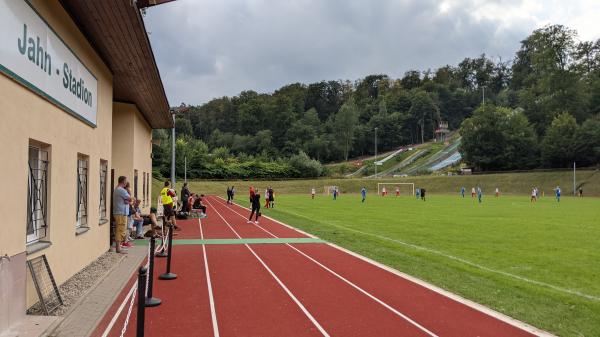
[
  {"x": 328, "y": 190},
  {"x": 391, "y": 188}
]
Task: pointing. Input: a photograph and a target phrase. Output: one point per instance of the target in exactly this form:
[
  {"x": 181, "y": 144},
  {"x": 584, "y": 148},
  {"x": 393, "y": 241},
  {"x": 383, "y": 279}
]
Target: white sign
[{"x": 32, "y": 54}]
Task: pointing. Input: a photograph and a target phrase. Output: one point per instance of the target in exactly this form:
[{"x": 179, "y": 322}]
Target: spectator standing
[
  {"x": 185, "y": 194},
  {"x": 255, "y": 202},
  {"x": 121, "y": 200},
  {"x": 166, "y": 195},
  {"x": 271, "y": 197},
  {"x": 267, "y": 197}
]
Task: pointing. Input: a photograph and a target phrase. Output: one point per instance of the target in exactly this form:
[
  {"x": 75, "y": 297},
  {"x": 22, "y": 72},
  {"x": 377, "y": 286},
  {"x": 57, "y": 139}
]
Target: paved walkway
[{"x": 87, "y": 313}]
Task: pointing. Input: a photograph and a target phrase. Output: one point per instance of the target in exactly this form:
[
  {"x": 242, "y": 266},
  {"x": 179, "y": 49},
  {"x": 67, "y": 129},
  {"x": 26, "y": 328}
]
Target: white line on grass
[
  {"x": 213, "y": 311},
  {"x": 459, "y": 259},
  {"x": 387, "y": 306},
  {"x": 298, "y": 303}
]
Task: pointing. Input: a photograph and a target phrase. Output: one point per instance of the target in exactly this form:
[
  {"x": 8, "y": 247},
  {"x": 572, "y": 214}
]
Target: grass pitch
[{"x": 539, "y": 263}]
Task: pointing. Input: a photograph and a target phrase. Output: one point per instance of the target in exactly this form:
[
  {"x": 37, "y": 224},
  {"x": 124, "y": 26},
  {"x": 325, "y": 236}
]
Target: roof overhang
[{"x": 116, "y": 30}]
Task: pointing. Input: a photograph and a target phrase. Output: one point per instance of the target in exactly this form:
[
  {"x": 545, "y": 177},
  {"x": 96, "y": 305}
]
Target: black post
[
  {"x": 168, "y": 275},
  {"x": 150, "y": 300},
  {"x": 141, "y": 301}
]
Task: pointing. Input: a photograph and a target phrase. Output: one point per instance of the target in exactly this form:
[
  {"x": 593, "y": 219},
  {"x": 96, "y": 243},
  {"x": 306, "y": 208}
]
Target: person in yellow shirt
[{"x": 166, "y": 197}]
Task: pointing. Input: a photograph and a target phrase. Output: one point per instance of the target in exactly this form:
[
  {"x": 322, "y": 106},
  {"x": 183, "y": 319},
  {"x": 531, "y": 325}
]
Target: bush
[{"x": 304, "y": 166}]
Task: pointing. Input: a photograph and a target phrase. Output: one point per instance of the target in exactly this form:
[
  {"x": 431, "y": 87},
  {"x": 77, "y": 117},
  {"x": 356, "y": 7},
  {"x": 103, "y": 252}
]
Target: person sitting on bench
[{"x": 199, "y": 205}]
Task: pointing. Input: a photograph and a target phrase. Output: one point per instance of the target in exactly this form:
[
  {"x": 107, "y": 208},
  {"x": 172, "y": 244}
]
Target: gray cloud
[{"x": 208, "y": 49}]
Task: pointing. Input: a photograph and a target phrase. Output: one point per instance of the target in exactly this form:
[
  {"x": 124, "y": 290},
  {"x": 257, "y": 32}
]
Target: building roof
[{"x": 116, "y": 30}]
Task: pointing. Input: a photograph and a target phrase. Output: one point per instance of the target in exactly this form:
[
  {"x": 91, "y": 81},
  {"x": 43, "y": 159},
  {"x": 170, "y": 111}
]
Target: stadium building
[{"x": 80, "y": 93}]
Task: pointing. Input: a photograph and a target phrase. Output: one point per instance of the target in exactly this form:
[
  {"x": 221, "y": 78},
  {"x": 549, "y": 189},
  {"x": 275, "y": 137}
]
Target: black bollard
[
  {"x": 151, "y": 301},
  {"x": 141, "y": 301},
  {"x": 168, "y": 275}
]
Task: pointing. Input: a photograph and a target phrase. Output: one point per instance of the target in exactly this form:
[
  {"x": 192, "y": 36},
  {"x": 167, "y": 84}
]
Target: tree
[
  {"x": 558, "y": 146},
  {"x": 345, "y": 122},
  {"x": 183, "y": 127},
  {"x": 587, "y": 143},
  {"x": 424, "y": 112},
  {"x": 497, "y": 138}
]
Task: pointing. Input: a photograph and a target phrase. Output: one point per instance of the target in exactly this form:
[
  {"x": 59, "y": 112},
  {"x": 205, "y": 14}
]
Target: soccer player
[
  {"x": 422, "y": 194},
  {"x": 557, "y": 193},
  {"x": 581, "y": 192},
  {"x": 472, "y": 192},
  {"x": 418, "y": 193},
  {"x": 497, "y": 192},
  {"x": 397, "y": 191},
  {"x": 312, "y": 193},
  {"x": 335, "y": 193},
  {"x": 462, "y": 191},
  {"x": 533, "y": 195},
  {"x": 363, "y": 193},
  {"x": 479, "y": 194},
  {"x": 383, "y": 191},
  {"x": 255, "y": 201}
]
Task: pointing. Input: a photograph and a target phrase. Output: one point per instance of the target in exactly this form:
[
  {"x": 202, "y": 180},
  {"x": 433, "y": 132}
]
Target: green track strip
[{"x": 237, "y": 241}]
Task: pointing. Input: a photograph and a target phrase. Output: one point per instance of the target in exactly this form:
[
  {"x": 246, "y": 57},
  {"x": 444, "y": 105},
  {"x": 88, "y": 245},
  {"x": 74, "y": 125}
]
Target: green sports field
[{"x": 539, "y": 263}]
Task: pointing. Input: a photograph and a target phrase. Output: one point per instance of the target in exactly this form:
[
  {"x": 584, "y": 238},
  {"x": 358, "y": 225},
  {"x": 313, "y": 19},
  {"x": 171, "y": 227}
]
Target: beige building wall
[
  {"x": 27, "y": 116},
  {"x": 132, "y": 134}
]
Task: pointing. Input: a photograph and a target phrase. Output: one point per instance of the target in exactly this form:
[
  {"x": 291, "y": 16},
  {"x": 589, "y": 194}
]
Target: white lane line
[
  {"x": 387, "y": 306},
  {"x": 479, "y": 307},
  {"x": 118, "y": 312},
  {"x": 213, "y": 311},
  {"x": 298, "y": 303}
]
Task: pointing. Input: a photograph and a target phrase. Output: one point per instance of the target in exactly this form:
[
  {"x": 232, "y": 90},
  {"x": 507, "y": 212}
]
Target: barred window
[
  {"x": 143, "y": 189},
  {"x": 37, "y": 194},
  {"x": 148, "y": 189},
  {"x": 135, "y": 184},
  {"x": 103, "y": 177},
  {"x": 82, "y": 190}
]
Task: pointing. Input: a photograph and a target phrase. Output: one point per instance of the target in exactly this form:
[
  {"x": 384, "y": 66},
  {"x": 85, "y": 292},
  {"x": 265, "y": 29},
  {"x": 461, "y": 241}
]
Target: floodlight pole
[
  {"x": 375, "y": 162},
  {"x": 185, "y": 169},
  {"x": 173, "y": 150}
]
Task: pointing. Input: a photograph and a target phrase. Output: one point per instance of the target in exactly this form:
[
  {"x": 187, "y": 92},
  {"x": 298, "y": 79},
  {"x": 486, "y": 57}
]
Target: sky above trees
[{"x": 208, "y": 49}]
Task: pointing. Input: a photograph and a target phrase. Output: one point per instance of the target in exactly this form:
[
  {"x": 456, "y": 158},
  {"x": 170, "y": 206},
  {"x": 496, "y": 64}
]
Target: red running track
[{"x": 306, "y": 289}]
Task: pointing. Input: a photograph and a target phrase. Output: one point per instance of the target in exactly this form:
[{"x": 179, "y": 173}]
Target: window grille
[
  {"x": 103, "y": 177},
  {"x": 37, "y": 194},
  {"x": 135, "y": 184},
  {"x": 82, "y": 191},
  {"x": 143, "y": 189}
]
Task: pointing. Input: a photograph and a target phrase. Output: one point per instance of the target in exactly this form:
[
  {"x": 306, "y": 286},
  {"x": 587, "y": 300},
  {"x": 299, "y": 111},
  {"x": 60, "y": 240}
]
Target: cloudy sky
[{"x": 213, "y": 48}]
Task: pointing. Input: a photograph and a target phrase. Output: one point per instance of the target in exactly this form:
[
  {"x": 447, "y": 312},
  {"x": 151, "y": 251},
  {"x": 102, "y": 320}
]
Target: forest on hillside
[{"x": 542, "y": 109}]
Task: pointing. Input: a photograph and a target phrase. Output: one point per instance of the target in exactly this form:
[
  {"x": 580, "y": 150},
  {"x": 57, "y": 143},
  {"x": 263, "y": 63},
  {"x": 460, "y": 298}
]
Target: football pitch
[{"x": 536, "y": 262}]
